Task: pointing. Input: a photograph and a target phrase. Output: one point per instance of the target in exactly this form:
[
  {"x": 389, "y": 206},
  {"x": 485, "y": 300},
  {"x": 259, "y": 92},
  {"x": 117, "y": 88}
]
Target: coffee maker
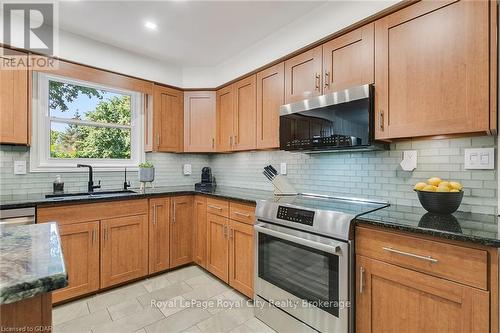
[{"x": 207, "y": 183}]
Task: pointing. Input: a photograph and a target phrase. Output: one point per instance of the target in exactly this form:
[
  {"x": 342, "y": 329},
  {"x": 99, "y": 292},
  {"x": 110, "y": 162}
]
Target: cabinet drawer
[
  {"x": 242, "y": 213},
  {"x": 218, "y": 207},
  {"x": 456, "y": 263}
]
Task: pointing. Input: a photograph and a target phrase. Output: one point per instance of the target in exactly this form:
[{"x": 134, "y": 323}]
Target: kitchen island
[{"x": 31, "y": 267}]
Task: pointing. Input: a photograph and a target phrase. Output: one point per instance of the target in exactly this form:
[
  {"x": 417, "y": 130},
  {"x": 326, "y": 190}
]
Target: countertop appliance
[
  {"x": 17, "y": 216},
  {"x": 336, "y": 121},
  {"x": 304, "y": 262},
  {"x": 207, "y": 181}
]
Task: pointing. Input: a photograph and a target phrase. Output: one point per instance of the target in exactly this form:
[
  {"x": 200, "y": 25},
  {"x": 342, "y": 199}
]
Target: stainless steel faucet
[{"x": 90, "y": 184}]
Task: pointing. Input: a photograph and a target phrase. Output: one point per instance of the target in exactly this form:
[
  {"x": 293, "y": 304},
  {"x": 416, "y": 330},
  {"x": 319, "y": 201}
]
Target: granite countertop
[
  {"x": 461, "y": 226},
  {"x": 31, "y": 261},
  {"x": 225, "y": 192}
]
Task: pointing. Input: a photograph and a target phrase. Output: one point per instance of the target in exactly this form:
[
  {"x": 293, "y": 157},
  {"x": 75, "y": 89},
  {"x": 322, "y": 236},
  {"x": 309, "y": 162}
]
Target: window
[{"x": 76, "y": 121}]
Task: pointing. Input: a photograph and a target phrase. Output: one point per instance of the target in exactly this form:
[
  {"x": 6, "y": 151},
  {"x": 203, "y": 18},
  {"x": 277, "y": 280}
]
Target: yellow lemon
[
  {"x": 434, "y": 181},
  {"x": 456, "y": 186},
  {"x": 453, "y": 190},
  {"x": 443, "y": 188},
  {"x": 430, "y": 188},
  {"x": 444, "y": 184},
  {"x": 420, "y": 186}
]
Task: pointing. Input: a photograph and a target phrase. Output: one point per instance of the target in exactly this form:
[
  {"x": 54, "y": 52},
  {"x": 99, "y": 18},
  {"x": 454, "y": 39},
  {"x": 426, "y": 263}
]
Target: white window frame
[{"x": 40, "y": 159}]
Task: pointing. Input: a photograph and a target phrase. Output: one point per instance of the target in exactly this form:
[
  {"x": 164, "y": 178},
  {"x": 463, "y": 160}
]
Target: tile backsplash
[
  {"x": 369, "y": 174},
  {"x": 360, "y": 174}
]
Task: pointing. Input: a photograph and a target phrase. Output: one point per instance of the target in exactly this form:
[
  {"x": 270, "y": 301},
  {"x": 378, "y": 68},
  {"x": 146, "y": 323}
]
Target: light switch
[
  {"x": 283, "y": 168},
  {"x": 19, "y": 167},
  {"x": 187, "y": 169},
  {"x": 480, "y": 158}
]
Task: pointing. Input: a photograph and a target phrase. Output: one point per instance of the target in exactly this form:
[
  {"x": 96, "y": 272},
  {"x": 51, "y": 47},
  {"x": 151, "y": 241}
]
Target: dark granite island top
[
  {"x": 461, "y": 226},
  {"x": 31, "y": 261}
]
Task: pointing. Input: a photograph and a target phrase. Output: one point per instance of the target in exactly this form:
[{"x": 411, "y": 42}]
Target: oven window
[{"x": 307, "y": 273}]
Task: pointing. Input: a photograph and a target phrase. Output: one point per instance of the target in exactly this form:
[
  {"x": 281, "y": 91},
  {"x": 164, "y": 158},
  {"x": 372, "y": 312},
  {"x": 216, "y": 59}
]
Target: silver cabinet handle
[
  {"x": 105, "y": 233},
  {"x": 381, "y": 119},
  {"x": 316, "y": 78},
  {"x": 231, "y": 141},
  {"x": 213, "y": 142},
  {"x": 426, "y": 258},
  {"x": 241, "y": 214},
  {"x": 173, "y": 215},
  {"x": 157, "y": 140},
  {"x": 327, "y": 79},
  {"x": 224, "y": 231},
  {"x": 231, "y": 233},
  {"x": 214, "y": 207},
  {"x": 361, "y": 279},
  {"x": 93, "y": 236}
]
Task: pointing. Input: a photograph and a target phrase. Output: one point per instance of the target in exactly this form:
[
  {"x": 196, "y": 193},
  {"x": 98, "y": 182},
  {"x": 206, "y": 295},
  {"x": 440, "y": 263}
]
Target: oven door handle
[{"x": 333, "y": 248}]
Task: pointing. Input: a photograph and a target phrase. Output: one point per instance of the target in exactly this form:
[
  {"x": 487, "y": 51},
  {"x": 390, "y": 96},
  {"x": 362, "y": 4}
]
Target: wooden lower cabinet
[
  {"x": 124, "y": 249},
  {"x": 181, "y": 231},
  {"x": 200, "y": 231},
  {"x": 217, "y": 246},
  {"x": 32, "y": 314},
  {"x": 390, "y": 298},
  {"x": 159, "y": 234},
  {"x": 80, "y": 244},
  {"x": 241, "y": 257}
]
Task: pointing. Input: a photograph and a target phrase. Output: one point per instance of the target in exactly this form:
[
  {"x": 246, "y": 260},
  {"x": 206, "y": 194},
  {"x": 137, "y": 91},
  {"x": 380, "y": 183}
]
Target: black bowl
[{"x": 440, "y": 202}]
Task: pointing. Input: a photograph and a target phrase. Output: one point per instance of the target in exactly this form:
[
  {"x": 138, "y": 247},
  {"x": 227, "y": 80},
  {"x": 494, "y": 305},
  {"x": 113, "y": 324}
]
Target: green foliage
[
  {"x": 78, "y": 141},
  {"x": 146, "y": 165},
  {"x": 62, "y": 93}
]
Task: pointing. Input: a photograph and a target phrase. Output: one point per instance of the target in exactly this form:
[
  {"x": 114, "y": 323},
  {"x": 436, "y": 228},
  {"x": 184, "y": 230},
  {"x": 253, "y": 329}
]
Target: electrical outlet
[
  {"x": 187, "y": 169},
  {"x": 480, "y": 158},
  {"x": 283, "y": 168},
  {"x": 19, "y": 167}
]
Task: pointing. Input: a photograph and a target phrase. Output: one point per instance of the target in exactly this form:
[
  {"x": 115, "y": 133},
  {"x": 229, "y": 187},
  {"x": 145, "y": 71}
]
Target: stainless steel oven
[{"x": 304, "y": 262}]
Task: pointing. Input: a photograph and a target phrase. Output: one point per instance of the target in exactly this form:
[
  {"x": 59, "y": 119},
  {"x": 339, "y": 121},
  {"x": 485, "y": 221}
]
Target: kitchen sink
[{"x": 99, "y": 194}]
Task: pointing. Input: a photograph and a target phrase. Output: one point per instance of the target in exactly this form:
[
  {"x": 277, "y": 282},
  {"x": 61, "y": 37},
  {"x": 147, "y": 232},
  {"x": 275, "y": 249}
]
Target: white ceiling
[{"x": 189, "y": 33}]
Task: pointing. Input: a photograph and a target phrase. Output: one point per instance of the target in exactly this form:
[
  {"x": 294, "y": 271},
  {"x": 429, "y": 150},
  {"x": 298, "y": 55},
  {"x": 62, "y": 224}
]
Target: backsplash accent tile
[
  {"x": 369, "y": 174},
  {"x": 359, "y": 174}
]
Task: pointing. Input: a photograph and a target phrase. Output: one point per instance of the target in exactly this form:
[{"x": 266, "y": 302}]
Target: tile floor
[{"x": 183, "y": 300}]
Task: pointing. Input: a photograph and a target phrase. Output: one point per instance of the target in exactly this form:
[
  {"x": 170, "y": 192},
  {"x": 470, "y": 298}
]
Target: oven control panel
[{"x": 301, "y": 216}]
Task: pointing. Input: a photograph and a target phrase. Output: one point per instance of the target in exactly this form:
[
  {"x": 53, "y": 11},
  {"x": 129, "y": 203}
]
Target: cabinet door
[
  {"x": 241, "y": 254},
  {"x": 348, "y": 60},
  {"x": 80, "y": 246},
  {"x": 159, "y": 234},
  {"x": 181, "y": 231},
  {"x": 199, "y": 121},
  {"x": 270, "y": 96},
  {"x": 225, "y": 119},
  {"x": 394, "y": 299},
  {"x": 431, "y": 70},
  {"x": 303, "y": 75},
  {"x": 14, "y": 102},
  {"x": 200, "y": 231},
  {"x": 124, "y": 249},
  {"x": 217, "y": 246},
  {"x": 245, "y": 114},
  {"x": 168, "y": 122}
]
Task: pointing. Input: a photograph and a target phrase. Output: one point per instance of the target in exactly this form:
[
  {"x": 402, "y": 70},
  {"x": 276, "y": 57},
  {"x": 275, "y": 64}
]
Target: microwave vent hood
[{"x": 334, "y": 98}]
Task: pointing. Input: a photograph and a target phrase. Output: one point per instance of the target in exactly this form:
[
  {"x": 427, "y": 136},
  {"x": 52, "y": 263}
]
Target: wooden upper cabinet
[
  {"x": 80, "y": 245},
  {"x": 159, "y": 234},
  {"x": 244, "y": 114},
  {"x": 225, "y": 119},
  {"x": 124, "y": 249},
  {"x": 168, "y": 119},
  {"x": 422, "y": 303},
  {"x": 14, "y": 102},
  {"x": 303, "y": 77},
  {"x": 348, "y": 60},
  {"x": 199, "y": 121},
  {"x": 270, "y": 96},
  {"x": 181, "y": 231},
  {"x": 432, "y": 69}
]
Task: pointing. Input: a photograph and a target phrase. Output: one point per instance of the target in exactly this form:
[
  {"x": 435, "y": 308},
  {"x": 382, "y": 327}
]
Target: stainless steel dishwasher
[{"x": 17, "y": 216}]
